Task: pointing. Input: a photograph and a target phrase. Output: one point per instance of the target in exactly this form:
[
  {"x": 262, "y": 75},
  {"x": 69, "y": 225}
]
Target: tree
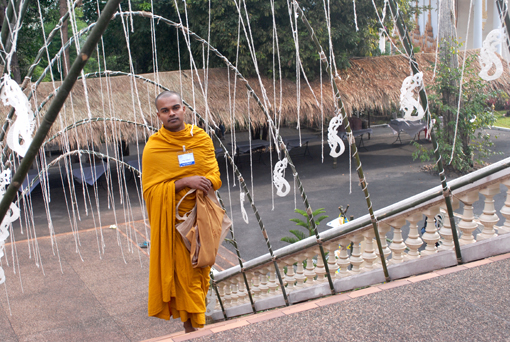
[
  {"x": 473, "y": 143},
  {"x": 347, "y": 41}
]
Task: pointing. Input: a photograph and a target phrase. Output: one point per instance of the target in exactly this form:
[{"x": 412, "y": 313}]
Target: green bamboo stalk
[
  {"x": 57, "y": 104},
  {"x": 239, "y": 260},
  {"x": 404, "y": 34},
  {"x": 352, "y": 141}
]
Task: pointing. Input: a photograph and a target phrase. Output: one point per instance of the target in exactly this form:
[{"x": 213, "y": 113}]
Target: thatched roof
[{"x": 370, "y": 83}]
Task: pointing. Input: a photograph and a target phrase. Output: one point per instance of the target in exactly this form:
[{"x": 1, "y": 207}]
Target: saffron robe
[{"x": 175, "y": 287}]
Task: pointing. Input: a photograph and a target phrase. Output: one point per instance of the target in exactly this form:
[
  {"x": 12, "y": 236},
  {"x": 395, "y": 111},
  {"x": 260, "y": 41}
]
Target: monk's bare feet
[{"x": 188, "y": 327}]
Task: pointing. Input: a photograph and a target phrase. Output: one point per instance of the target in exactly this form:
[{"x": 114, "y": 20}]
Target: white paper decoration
[
  {"x": 488, "y": 56},
  {"x": 335, "y": 143},
  {"x": 407, "y": 101},
  {"x": 11, "y": 216},
  {"x": 19, "y": 136},
  {"x": 279, "y": 180}
]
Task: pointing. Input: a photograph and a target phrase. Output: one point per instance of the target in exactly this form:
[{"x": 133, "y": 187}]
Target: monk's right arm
[{"x": 193, "y": 182}]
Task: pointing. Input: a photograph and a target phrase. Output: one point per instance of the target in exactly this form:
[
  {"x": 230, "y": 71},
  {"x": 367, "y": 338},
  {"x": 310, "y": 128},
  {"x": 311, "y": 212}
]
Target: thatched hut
[{"x": 370, "y": 84}]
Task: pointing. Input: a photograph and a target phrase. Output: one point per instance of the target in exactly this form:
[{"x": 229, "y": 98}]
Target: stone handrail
[{"x": 357, "y": 261}]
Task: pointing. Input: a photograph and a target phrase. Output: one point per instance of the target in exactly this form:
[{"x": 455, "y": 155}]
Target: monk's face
[{"x": 171, "y": 112}]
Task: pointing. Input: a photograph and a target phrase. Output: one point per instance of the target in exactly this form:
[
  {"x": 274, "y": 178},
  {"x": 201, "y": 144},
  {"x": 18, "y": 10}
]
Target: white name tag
[{"x": 186, "y": 159}]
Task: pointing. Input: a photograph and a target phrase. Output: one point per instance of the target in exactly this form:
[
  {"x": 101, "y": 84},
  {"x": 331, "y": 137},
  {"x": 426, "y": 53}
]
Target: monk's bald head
[{"x": 165, "y": 94}]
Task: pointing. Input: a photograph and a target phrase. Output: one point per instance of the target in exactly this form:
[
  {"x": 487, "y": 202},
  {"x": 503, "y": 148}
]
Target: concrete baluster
[
  {"x": 398, "y": 246},
  {"x": 505, "y": 211},
  {"x": 273, "y": 286},
  {"x": 369, "y": 255},
  {"x": 413, "y": 240},
  {"x": 300, "y": 276},
  {"x": 356, "y": 259},
  {"x": 320, "y": 270},
  {"x": 310, "y": 269},
  {"x": 233, "y": 295},
  {"x": 332, "y": 263},
  {"x": 431, "y": 236},
  {"x": 255, "y": 287},
  {"x": 489, "y": 218},
  {"x": 264, "y": 289},
  {"x": 467, "y": 225},
  {"x": 383, "y": 230},
  {"x": 344, "y": 261},
  {"x": 289, "y": 276},
  {"x": 446, "y": 230}
]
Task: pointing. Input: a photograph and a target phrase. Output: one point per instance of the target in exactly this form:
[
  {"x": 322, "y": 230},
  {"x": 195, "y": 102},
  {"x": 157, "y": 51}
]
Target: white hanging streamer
[
  {"x": 11, "y": 216},
  {"x": 355, "y": 16},
  {"x": 334, "y": 140},
  {"x": 279, "y": 180},
  {"x": 488, "y": 56},
  {"x": 407, "y": 101},
  {"x": 12, "y": 95},
  {"x": 242, "y": 197}
]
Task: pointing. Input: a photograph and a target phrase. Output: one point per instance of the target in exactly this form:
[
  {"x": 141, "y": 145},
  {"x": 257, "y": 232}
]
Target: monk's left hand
[{"x": 199, "y": 183}]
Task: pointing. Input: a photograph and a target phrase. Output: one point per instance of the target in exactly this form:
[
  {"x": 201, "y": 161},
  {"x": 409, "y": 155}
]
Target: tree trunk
[
  {"x": 15, "y": 72},
  {"x": 448, "y": 55},
  {"x": 65, "y": 37}
]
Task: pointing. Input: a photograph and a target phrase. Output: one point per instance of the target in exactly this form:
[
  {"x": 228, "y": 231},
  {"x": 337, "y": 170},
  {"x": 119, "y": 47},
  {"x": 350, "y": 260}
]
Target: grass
[{"x": 501, "y": 120}]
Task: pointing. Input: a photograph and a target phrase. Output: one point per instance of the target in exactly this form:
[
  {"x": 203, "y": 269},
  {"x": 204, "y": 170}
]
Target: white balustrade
[
  {"x": 364, "y": 256},
  {"x": 489, "y": 218}
]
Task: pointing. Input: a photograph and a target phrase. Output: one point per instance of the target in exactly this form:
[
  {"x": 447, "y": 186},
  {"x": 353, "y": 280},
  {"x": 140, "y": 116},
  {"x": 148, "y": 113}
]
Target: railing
[{"x": 357, "y": 262}]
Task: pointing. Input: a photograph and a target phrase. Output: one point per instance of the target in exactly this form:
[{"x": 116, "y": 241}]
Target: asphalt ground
[{"x": 73, "y": 289}]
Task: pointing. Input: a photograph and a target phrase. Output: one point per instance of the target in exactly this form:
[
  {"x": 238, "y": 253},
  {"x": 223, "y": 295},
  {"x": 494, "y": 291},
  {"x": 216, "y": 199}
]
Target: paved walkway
[{"x": 462, "y": 303}]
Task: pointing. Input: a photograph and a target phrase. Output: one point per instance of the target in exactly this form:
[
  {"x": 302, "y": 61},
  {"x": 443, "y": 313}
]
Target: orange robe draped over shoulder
[{"x": 172, "y": 279}]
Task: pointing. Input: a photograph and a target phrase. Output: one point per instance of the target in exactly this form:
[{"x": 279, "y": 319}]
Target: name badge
[{"x": 186, "y": 159}]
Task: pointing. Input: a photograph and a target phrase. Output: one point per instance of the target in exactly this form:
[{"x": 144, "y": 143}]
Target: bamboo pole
[
  {"x": 351, "y": 139},
  {"x": 425, "y": 104},
  {"x": 239, "y": 260},
  {"x": 57, "y": 104}
]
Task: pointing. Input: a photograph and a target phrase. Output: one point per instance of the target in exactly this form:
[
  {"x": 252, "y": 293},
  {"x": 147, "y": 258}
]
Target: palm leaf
[{"x": 299, "y": 234}]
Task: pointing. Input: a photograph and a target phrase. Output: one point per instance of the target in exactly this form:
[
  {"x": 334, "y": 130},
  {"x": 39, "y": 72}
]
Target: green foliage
[
  {"x": 298, "y": 234},
  {"x": 473, "y": 143},
  {"x": 31, "y": 39},
  {"x": 224, "y": 20}
]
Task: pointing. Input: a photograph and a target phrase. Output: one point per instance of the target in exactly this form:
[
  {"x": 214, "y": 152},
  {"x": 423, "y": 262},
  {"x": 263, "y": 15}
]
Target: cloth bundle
[{"x": 203, "y": 228}]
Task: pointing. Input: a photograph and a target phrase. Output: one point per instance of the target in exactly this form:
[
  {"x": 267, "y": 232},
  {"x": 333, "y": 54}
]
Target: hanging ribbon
[{"x": 242, "y": 196}]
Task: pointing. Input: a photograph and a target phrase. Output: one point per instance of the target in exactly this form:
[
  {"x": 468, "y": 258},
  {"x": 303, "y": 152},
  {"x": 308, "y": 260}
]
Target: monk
[{"x": 177, "y": 158}]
